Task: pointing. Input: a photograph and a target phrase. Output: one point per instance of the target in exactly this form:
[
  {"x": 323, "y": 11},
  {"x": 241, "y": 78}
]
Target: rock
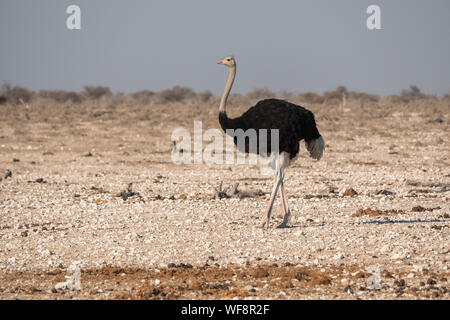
[
  {"x": 338, "y": 256},
  {"x": 295, "y": 282},
  {"x": 349, "y": 290},
  {"x": 397, "y": 256},
  {"x": 418, "y": 268},
  {"x": 8, "y": 174},
  {"x": 249, "y": 288},
  {"x": 385, "y": 192},
  {"x": 400, "y": 283},
  {"x": 350, "y": 192},
  {"x": 73, "y": 282},
  {"x": 437, "y": 120}
]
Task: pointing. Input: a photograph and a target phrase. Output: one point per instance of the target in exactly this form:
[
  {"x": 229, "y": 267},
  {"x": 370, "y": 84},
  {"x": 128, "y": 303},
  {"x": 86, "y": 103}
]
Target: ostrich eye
[{"x": 228, "y": 59}]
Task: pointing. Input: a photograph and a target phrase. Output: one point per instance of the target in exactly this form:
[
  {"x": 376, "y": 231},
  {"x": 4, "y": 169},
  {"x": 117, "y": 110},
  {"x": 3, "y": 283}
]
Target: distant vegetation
[{"x": 15, "y": 95}]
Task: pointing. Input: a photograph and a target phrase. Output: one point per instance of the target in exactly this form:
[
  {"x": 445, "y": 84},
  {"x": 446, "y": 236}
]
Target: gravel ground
[{"x": 62, "y": 204}]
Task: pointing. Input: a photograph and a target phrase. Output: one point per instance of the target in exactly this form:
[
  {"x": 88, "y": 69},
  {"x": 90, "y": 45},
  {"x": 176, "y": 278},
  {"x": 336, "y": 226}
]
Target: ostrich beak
[{"x": 220, "y": 62}]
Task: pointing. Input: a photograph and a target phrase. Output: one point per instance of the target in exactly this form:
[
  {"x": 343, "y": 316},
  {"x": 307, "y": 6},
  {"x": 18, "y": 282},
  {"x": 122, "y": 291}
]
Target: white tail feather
[{"x": 316, "y": 147}]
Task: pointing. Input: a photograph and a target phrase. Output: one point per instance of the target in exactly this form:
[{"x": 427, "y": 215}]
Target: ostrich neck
[{"x": 226, "y": 92}]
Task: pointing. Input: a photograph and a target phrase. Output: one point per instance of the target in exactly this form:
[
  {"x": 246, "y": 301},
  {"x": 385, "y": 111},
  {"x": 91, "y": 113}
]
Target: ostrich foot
[{"x": 286, "y": 219}]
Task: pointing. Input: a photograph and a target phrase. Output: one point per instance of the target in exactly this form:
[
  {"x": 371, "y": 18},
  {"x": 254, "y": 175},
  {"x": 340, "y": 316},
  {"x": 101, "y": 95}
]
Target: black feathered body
[{"x": 293, "y": 122}]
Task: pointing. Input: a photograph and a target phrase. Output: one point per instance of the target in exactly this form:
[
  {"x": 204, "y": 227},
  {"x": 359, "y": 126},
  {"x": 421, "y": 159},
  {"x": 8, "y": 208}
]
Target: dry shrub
[
  {"x": 16, "y": 94},
  {"x": 411, "y": 98},
  {"x": 311, "y": 97},
  {"x": 412, "y": 93},
  {"x": 394, "y": 99},
  {"x": 113, "y": 100},
  {"x": 260, "y": 94},
  {"x": 205, "y": 96},
  {"x": 96, "y": 92},
  {"x": 142, "y": 97},
  {"x": 341, "y": 89},
  {"x": 286, "y": 94},
  {"x": 335, "y": 96},
  {"x": 332, "y": 97},
  {"x": 238, "y": 99},
  {"x": 176, "y": 94},
  {"x": 61, "y": 96},
  {"x": 363, "y": 97},
  {"x": 446, "y": 98}
]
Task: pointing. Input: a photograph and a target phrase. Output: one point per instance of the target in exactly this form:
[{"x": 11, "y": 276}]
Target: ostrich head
[{"x": 228, "y": 61}]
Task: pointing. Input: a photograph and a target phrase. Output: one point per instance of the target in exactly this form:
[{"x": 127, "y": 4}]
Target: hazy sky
[{"x": 297, "y": 45}]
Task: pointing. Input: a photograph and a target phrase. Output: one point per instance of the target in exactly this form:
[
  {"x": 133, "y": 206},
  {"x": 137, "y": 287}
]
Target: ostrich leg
[
  {"x": 266, "y": 215},
  {"x": 284, "y": 204}
]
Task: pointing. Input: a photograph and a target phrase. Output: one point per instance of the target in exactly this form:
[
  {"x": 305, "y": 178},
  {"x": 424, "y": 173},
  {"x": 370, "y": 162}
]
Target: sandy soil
[{"x": 64, "y": 199}]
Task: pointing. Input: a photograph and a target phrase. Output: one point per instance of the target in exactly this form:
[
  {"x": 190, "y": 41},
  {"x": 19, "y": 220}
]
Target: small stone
[
  {"x": 400, "y": 283},
  {"x": 8, "y": 174},
  {"x": 397, "y": 256},
  {"x": 339, "y": 256},
  {"x": 385, "y": 192},
  {"x": 349, "y": 290},
  {"x": 248, "y": 288},
  {"x": 418, "y": 268},
  {"x": 60, "y": 286},
  {"x": 350, "y": 192}
]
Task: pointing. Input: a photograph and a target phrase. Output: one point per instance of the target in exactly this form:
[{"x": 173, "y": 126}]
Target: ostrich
[{"x": 294, "y": 124}]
